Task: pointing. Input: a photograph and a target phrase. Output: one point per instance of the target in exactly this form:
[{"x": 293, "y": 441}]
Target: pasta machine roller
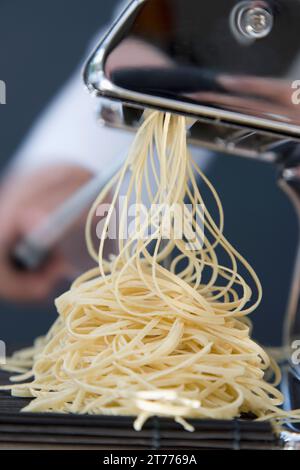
[{"x": 234, "y": 67}]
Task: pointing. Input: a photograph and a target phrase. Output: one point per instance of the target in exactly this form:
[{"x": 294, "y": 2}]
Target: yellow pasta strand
[{"x": 159, "y": 329}]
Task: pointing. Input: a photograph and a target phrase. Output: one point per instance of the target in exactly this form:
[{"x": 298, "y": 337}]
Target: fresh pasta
[{"x": 161, "y": 328}]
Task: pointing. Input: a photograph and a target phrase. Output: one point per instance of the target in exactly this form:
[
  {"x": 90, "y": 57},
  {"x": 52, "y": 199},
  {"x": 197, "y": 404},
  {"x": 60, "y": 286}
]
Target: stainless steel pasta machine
[{"x": 234, "y": 67}]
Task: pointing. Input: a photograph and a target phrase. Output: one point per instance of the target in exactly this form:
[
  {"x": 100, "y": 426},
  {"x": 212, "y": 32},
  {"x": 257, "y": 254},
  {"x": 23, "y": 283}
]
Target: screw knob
[{"x": 256, "y": 22}]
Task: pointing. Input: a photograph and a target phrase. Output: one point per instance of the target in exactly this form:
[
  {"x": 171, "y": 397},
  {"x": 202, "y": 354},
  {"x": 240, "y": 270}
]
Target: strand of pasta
[{"x": 143, "y": 334}]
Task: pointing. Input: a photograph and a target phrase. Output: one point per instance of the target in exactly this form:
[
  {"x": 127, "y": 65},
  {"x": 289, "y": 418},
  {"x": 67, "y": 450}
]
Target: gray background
[{"x": 41, "y": 42}]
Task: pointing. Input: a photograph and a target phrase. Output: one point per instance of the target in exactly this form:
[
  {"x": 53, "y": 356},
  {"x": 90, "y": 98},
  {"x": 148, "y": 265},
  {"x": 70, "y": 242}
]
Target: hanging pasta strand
[{"x": 160, "y": 328}]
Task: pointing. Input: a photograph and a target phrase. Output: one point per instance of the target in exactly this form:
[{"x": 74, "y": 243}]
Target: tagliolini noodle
[{"x": 161, "y": 328}]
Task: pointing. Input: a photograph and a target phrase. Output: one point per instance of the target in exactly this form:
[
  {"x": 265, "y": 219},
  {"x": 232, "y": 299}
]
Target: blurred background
[{"x": 41, "y": 43}]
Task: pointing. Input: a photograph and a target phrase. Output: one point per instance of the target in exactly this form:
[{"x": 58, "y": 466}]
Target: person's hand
[{"x": 24, "y": 202}]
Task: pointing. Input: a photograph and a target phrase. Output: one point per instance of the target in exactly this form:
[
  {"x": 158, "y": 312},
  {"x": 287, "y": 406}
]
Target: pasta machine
[{"x": 233, "y": 67}]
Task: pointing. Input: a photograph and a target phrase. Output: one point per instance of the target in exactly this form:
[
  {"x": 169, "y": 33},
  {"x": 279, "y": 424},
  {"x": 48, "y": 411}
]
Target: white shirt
[{"x": 68, "y": 133}]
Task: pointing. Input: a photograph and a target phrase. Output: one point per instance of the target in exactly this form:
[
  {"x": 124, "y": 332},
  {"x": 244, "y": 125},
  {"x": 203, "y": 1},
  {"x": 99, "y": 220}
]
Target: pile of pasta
[{"x": 161, "y": 327}]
